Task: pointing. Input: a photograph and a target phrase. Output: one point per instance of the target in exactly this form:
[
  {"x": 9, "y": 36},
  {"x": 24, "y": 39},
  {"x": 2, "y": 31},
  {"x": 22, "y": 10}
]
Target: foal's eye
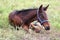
[{"x": 40, "y": 16}]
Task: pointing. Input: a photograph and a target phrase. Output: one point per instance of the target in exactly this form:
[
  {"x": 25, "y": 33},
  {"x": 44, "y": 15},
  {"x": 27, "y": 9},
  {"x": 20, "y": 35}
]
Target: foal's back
[
  {"x": 27, "y": 14},
  {"x": 18, "y": 17}
]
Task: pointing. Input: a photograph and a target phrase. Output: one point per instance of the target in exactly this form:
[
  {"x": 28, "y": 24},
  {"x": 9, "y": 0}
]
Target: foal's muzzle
[{"x": 47, "y": 28}]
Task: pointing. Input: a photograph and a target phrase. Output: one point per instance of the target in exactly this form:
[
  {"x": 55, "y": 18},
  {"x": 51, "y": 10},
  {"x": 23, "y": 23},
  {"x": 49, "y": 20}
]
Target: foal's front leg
[{"x": 26, "y": 27}]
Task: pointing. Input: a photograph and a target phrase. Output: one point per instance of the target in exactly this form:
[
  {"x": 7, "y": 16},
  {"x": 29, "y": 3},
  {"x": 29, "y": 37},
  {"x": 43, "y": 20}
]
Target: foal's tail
[{"x": 10, "y": 18}]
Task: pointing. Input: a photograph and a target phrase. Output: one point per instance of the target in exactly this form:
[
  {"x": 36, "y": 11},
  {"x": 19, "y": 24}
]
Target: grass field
[{"x": 6, "y": 6}]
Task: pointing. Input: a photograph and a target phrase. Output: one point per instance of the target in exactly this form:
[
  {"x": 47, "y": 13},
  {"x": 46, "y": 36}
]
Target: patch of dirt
[
  {"x": 8, "y": 34},
  {"x": 43, "y": 35}
]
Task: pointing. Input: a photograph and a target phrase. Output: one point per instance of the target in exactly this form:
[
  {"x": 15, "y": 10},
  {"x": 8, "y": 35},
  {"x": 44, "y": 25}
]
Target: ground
[
  {"x": 12, "y": 34},
  {"x": 53, "y": 12}
]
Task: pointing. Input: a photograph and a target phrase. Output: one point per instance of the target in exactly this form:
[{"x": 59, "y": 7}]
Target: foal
[{"x": 25, "y": 17}]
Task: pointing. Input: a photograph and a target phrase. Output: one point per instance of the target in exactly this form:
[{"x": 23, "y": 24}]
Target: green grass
[{"x": 6, "y": 6}]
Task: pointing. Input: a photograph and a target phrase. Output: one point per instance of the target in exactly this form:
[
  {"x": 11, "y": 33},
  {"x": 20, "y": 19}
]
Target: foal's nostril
[{"x": 47, "y": 28}]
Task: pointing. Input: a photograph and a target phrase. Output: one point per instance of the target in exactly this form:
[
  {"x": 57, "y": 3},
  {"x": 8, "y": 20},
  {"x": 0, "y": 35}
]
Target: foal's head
[{"x": 42, "y": 17}]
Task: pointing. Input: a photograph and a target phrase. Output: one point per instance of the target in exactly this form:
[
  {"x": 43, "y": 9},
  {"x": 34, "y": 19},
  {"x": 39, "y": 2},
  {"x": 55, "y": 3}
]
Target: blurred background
[{"x": 53, "y": 12}]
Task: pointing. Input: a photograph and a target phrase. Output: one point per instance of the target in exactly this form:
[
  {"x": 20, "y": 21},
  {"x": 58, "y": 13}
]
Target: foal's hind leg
[
  {"x": 16, "y": 27},
  {"x": 26, "y": 27}
]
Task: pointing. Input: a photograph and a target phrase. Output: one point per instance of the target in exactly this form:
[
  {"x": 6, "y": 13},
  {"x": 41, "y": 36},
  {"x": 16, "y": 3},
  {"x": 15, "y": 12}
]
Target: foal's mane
[{"x": 25, "y": 10}]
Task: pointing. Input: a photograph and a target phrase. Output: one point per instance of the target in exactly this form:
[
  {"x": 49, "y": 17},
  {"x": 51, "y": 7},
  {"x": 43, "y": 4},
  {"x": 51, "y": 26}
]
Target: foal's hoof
[
  {"x": 17, "y": 28},
  {"x": 37, "y": 31}
]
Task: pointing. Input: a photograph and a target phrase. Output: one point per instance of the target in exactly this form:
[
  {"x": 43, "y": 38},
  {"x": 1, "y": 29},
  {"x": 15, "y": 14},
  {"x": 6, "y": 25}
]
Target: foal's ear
[
  {"x": 45, "y": 8},
  {"x": 40, "y": 8}
]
